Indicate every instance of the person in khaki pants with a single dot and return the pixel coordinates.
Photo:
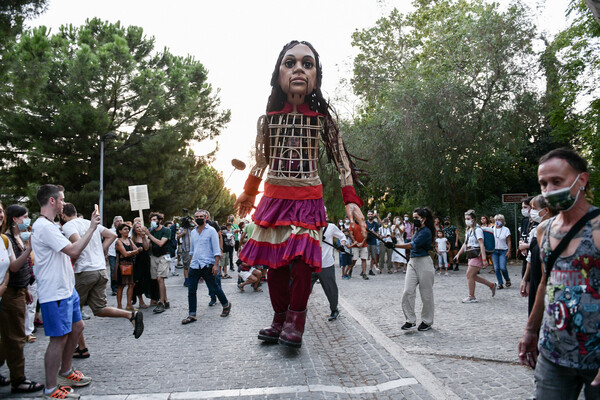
(419, 272)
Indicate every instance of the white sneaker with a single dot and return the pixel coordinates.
(62, 392)
(446, 273)
(74, 379)
(469, 299)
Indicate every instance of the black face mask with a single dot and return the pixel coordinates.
(446, 223)
(199, 221)
(417, 223)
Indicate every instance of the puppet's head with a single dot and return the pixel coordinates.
(282, 83)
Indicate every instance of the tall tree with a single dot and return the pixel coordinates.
(448, 101)
(69, 90)
(575, 114)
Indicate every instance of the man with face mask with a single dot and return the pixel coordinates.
(524, 231)
(160, 260)
(373, 224)
(567, 303)
(206, 254)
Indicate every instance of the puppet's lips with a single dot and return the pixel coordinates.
(298, 80)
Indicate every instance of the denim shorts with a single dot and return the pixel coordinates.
(59, 316)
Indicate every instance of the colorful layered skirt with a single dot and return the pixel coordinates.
(286, 229)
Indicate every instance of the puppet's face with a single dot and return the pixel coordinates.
(298, 73)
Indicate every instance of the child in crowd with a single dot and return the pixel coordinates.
(441, 247)
(346, 258)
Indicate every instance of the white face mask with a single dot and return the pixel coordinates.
(468, 222)
(525, 212)
(536, 217)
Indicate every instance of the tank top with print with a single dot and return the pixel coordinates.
(570, 334)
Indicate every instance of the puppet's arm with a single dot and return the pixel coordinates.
(245, 202)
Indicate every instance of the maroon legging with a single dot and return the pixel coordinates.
(294, 294)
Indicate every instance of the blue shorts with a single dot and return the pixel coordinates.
(59, 316)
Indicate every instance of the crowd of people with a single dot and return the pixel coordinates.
(289, 243)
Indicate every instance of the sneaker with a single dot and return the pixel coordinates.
(167, 305)
(439, 273)
(494, 287)
(371, 272)
(84, 316)
(446, 273)
(74, 379)
(212, 302)
(456, 268)
(160, 307)
(365, 277)
(469, 299)
(61, 392)
(423, 327)
(407, 326)
(499, 287)
(334, 315)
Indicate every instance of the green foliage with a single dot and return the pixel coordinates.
(449, 103)
(13, 14)
(70, 89)
(575, 110)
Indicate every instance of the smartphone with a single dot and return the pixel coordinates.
(96, 208)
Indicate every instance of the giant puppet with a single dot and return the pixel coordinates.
(291, 215)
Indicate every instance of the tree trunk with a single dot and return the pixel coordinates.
(594, 5)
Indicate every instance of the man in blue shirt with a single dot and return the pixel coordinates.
(206, 254)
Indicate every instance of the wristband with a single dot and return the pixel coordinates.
(251, 185)
(349, 195)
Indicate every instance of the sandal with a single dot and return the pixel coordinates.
(226, 310)
(226, 276)
(30, 338)
(143, 306)
(239, 285)
(188, 320)
(138, 318)
(4, 381)
(81, 353)
(507, 283)
(258, 289)
(30, 387)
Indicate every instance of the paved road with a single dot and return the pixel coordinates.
(469, 354)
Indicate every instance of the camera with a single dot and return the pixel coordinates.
(187, 221)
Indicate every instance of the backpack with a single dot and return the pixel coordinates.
(489, 241)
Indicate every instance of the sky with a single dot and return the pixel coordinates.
(238, 42)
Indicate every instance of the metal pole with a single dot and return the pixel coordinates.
(101, 200)
(516, 233)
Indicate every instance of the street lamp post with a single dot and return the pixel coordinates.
(109, 135)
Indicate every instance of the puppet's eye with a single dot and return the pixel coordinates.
(308, 64)
(289, 63)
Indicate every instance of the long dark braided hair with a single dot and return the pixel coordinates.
(316, 102)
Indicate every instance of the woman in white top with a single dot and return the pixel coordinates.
(500, 254)
(475, 250)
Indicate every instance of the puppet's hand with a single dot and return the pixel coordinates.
(244, 204)
(355, 215)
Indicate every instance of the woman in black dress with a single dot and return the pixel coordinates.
(141, 265)
(126, 252)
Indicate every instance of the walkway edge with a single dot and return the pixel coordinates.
(428, 380)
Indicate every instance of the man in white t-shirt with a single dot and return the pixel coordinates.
(327, 275)
(90, 273)
(59, 301)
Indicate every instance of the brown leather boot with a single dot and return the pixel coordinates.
(271, 333)
(293, 328)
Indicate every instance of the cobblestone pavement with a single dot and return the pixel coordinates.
(469, 354)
